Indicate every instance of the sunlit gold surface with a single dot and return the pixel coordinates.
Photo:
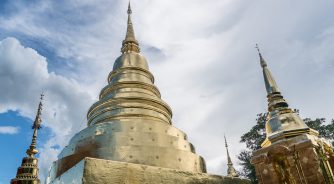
(129, 94)
(131, 123)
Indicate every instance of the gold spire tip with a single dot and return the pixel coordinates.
(257, 48)
(262, 61)
(129, 8)
(38, 120)
(42, 96)
(130, 43)
(225, 141)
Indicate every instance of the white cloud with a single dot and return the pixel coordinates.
(201, 53)
(9, 130)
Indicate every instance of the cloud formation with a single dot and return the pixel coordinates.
(201, 53)
(9, 130)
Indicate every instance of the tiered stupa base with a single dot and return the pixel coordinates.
(100, 171)
(27, 173)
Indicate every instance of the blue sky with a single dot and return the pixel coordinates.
(20, 140)
(201, 53)
(16, 142)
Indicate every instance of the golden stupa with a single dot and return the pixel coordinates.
(292, 153)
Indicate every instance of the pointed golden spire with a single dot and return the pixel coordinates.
(269, 80)
(262, 61)
(230, 169)
(275, 99)
(36, 126)
(28, 171)
(281, 121)
(130, 43)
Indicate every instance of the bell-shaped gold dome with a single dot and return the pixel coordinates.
(130, 94)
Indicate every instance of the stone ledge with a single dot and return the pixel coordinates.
(100, 171)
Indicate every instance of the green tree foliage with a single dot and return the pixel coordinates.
(325, 130)
(256, 135)
(253, 140)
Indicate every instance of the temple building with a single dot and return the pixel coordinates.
(292, 153)
(129, 136)
(27, 173)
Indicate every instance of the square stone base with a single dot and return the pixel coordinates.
(298, 159)
(99, 171)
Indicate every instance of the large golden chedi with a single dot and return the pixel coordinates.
(130, 122)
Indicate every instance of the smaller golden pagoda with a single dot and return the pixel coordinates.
(292, 153)
(231, 171)
(27, 173)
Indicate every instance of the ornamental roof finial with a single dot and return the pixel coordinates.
(130, 43)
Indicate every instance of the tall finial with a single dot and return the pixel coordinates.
(130, 43)
(229, 161)
(36, 126)
(269, 80)
(129, 9)
(230, 169)
(28, 171)
(262, 61)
